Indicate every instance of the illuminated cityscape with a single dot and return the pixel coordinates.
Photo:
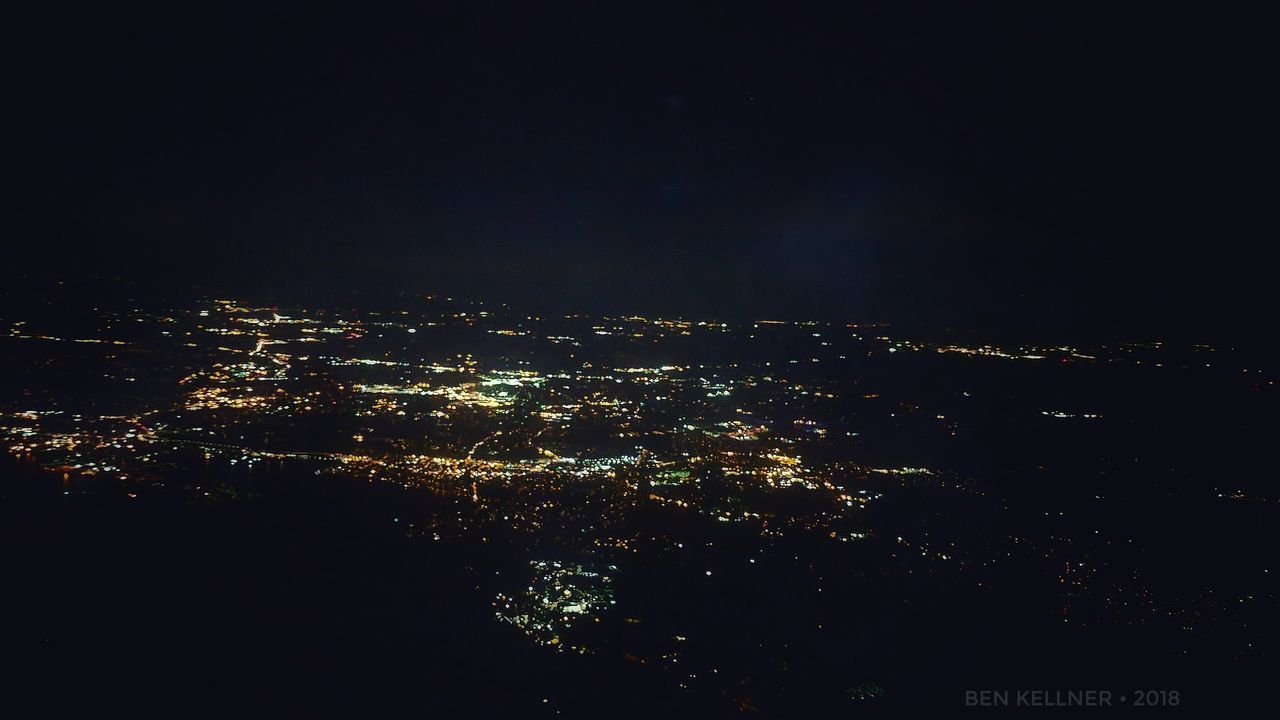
(633, 474)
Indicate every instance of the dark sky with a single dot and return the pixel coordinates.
(1027, 167)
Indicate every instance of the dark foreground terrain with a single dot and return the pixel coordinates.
(304, 599)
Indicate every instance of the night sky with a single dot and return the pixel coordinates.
(1010, 168)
